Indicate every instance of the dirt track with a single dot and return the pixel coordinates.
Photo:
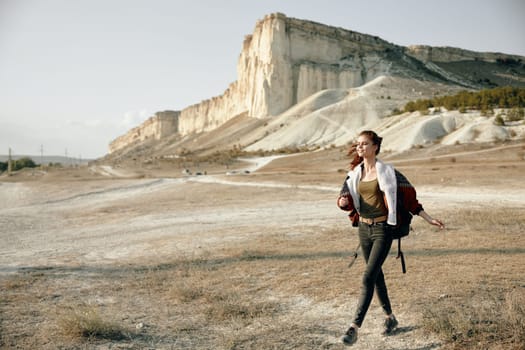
(145, 219)
(124, 220)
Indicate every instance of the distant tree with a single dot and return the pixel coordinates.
(484, 100)
(396, 111)
(24, 162)
(424, 111)
(487, 112)
(499, 120)
(410, 107)
(3, 166)
(515, 114)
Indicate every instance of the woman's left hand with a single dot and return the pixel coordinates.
(431, 220)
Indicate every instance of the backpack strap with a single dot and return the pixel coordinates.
(355, 255)
(400, 255)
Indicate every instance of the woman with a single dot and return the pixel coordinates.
(370, 190)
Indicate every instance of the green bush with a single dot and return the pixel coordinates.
(515, 114)
(487, 112)
(396, 111)
(3, 166)
(24, 162)
(499, 120)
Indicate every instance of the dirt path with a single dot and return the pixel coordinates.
(122, 220)
(114, 222)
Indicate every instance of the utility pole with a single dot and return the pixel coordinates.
(9, 165)
(41, 155)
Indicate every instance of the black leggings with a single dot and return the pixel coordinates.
(375, 244)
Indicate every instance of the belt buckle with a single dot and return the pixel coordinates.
(372, 221)
(368, 221)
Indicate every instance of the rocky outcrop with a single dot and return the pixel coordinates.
(452, 54)
(286, 60)
(160, 125)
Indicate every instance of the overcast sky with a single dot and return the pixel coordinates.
(75, 74)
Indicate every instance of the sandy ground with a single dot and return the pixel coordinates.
(100, 217)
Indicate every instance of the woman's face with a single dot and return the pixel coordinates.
(365, 147)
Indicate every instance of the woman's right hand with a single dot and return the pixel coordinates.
(342, 202)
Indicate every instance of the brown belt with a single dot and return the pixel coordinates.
(373, 220)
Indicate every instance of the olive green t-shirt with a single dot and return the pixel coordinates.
(371, 200)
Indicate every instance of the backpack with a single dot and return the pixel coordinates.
(404, 217)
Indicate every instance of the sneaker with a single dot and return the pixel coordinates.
(350, 336)
(390, 324)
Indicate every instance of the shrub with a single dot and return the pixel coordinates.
(88, 323)
(515, 114)
(396, 111)
(499, 120)
(24, 162)
(487, 112)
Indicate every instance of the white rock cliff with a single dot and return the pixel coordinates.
(156, 127)
(284, 61)
(287, 60)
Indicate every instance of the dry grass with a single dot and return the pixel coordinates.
(290, 290)
(485, 308)
(258, 294)
(87, 322)
(485, 321)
